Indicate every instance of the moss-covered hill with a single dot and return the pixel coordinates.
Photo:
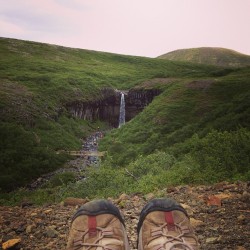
(209, 55)
(36, 80)
(196, 131)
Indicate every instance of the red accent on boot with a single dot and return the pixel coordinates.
(92, 226)
(170, 221)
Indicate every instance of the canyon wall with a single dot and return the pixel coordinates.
(108, 106)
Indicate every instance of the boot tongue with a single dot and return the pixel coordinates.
(111, 243)
(103, 238)
(164, 242)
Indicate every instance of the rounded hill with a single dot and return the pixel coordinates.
(208, 55)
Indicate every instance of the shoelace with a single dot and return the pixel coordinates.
(79, 244)
(170, 238)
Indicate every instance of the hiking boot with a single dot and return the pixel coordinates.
(98, 225)
(165, 225)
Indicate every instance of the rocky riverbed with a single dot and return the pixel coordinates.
(220, 214)
(76, 166)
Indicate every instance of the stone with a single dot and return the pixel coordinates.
(196, 223)
(240, 248)
(171, 189)
(188, 209)
(241, 218)
(211, 240)
(213, 200)
(245, 196)
(51, 232)
(11, 243)
(70, 201)
(122, 197)
(223, 196)
(48, 211)
(149, 196)
(29, 229)
(216, 227)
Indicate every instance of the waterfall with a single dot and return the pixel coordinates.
(122, 111)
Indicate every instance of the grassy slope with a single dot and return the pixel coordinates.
(184, 108)
(206, 55)
(37, 79)
(197, 130)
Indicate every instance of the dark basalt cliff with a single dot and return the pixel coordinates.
(137, 99)
(107, 108)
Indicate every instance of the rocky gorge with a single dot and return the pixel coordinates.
(107, 108)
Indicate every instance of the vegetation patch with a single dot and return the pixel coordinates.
(195, 131)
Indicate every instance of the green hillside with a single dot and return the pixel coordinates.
(207, 55)
(196, 131)
(37, 80)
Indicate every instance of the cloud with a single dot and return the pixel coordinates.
(35, 16)
(136, 27)
(10, 28)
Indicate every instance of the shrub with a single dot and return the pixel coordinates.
(22, 158)
(61, 179)
(224, 154)
(152, 164)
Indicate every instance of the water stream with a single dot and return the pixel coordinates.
(122, 111)
(77, 165)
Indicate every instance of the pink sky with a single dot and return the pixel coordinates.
(134, 27)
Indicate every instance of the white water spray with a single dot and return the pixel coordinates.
(122, 111)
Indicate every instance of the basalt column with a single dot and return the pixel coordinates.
(137, 100)
(107, 108)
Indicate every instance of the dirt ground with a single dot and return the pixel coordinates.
(219, 213)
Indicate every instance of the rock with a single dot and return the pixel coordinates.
(11, 244)
(196, 223)
(26, 203)
(29, 229)
(51, 232)
(223, 196)
(211, 240)
(221, 185)
(48, 211)
(171, 189)
(230, 187)
(226, 227)
(214, 228)
(240, 248)
(213, 200)
(188, 209)
(149, 196)
(49, 246)
(245, 196)
(20, 229)
(241, 218)
(122, 197)
(74, 201)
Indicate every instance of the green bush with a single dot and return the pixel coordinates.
(152, 164)
(224, 154)
(22, 158)
(61, 179)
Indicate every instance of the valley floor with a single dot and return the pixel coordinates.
(220, 214)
